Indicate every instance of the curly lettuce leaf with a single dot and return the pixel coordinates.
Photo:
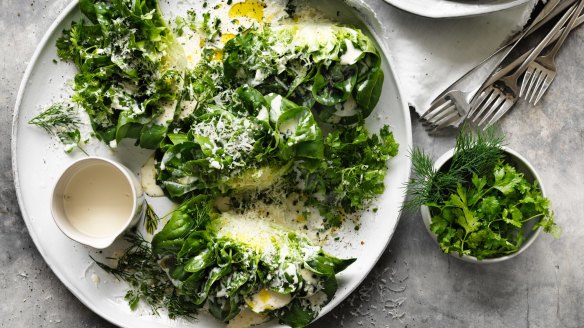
(334, 69)
(353, 173)
(129, 69)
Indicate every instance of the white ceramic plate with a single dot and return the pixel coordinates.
(454, 8)
(38, 160)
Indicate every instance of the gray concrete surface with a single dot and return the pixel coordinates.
(413, 285)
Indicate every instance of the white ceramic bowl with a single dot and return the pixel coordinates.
(523, 166)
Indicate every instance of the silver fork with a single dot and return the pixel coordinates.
(501, 91)
(449, 109)
(542, 71)
(451, 106)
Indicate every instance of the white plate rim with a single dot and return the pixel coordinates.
(451, 9)
(68, 10)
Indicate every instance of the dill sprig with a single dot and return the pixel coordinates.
(139, 267)
(56, 118)
(62, 121)
(476, 153)
(151, 220)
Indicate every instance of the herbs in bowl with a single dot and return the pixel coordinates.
(480, 200)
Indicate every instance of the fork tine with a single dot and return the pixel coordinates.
(434, 128)
(445, 111)
(530, 86)
(479, 105)
(433, 106)
(436, 108)
(527, 79)
(537, 88)
(448, 118)
(500, 98)
(543, 89)
(436, 112)
(476, 103)
(484, 104)
(504, 108)
(534, 85)
(449, 121)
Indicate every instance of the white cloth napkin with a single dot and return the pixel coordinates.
(430, 54)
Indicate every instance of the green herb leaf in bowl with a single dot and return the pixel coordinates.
(481, 202)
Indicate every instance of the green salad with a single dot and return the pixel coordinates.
(271, 111)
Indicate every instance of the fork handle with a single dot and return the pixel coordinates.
(537, 50)
(529, 56)
(549, 11)
(505, 70)
(567, 30)
(552, 9)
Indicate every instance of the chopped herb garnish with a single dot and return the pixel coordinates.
(151, 220)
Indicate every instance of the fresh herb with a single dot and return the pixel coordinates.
(62, 121)
(148, 281)
(474, 153)
(480, 204)
(151, 220)
(486, 219)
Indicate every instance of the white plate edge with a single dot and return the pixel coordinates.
(462, 12)
(26, 77)
(379, 39)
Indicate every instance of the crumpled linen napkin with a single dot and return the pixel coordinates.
(429, 54)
